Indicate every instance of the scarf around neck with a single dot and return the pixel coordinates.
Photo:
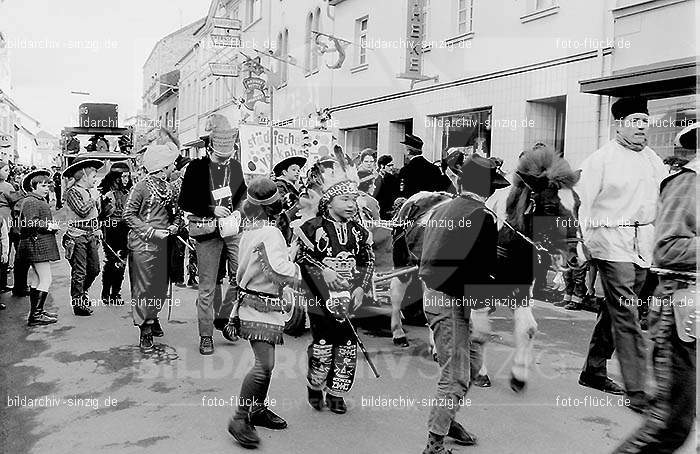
(629, 145)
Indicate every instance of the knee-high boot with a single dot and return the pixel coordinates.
(42, 300)
(36, 317)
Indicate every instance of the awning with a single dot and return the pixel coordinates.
(661, 80)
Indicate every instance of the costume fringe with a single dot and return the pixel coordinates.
(260, 331)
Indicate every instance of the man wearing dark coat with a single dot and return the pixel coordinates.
(458, 259)
(418, 174)
(212, 189)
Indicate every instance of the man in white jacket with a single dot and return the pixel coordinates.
(619, 188)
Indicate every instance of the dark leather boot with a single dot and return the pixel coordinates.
(264, 417)
(336, 404)
(36, 318)
(42, 301)
(156, 329)
(244, 432)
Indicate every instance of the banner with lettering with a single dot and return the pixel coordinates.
(255, 146)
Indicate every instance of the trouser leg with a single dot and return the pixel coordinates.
(92, 265)
(208, 258)
(148, 273)
(78, 264)
(320, 352)
(669, 419)
(230, 255)
(341, 375)
(453, 352)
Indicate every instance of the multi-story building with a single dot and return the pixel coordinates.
(18, 132)
(167, 101)
(658, 61)
(162, 59)
(201, 93)
(48, 150)
(493, 76)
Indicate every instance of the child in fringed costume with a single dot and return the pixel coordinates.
(335, 253)
(264, 268)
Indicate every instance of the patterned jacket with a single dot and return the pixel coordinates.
(344, 246)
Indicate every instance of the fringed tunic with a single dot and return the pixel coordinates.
(264, 268)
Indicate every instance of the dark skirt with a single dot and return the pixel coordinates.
(42, 248)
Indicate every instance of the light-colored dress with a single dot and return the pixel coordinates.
(264, 267)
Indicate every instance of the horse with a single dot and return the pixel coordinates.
(538, 219)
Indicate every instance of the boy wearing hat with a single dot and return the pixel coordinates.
(212, 189)
(670, 417)
(418, 174)
(82, 239)
(114, 187)
(264, 268)
(619, 189)
(457, 262)
(151, 217)
(287, 173)
(343, 247)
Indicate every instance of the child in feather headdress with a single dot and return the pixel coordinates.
(337, 262)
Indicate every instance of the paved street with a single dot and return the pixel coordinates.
(110, 398)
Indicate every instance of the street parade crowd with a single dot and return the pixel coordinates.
(255, 247)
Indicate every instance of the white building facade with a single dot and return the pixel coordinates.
(494, 76)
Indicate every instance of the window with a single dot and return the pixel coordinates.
(464, 16)
(234, 12)
(466, 129)
(361, 26)
(313, 22)
(254, 10)
(283, 54)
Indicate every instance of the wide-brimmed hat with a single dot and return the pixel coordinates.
(481, 175)
(80, 164)
(628, 106)
(688, 137)
(414, 142)
(287, 162)
(35, 173)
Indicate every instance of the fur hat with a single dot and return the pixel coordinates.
(222, 137)
(628, 106)
(158, 157)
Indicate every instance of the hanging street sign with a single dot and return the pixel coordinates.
(226, 39)
(225, 22)
(224, 69)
